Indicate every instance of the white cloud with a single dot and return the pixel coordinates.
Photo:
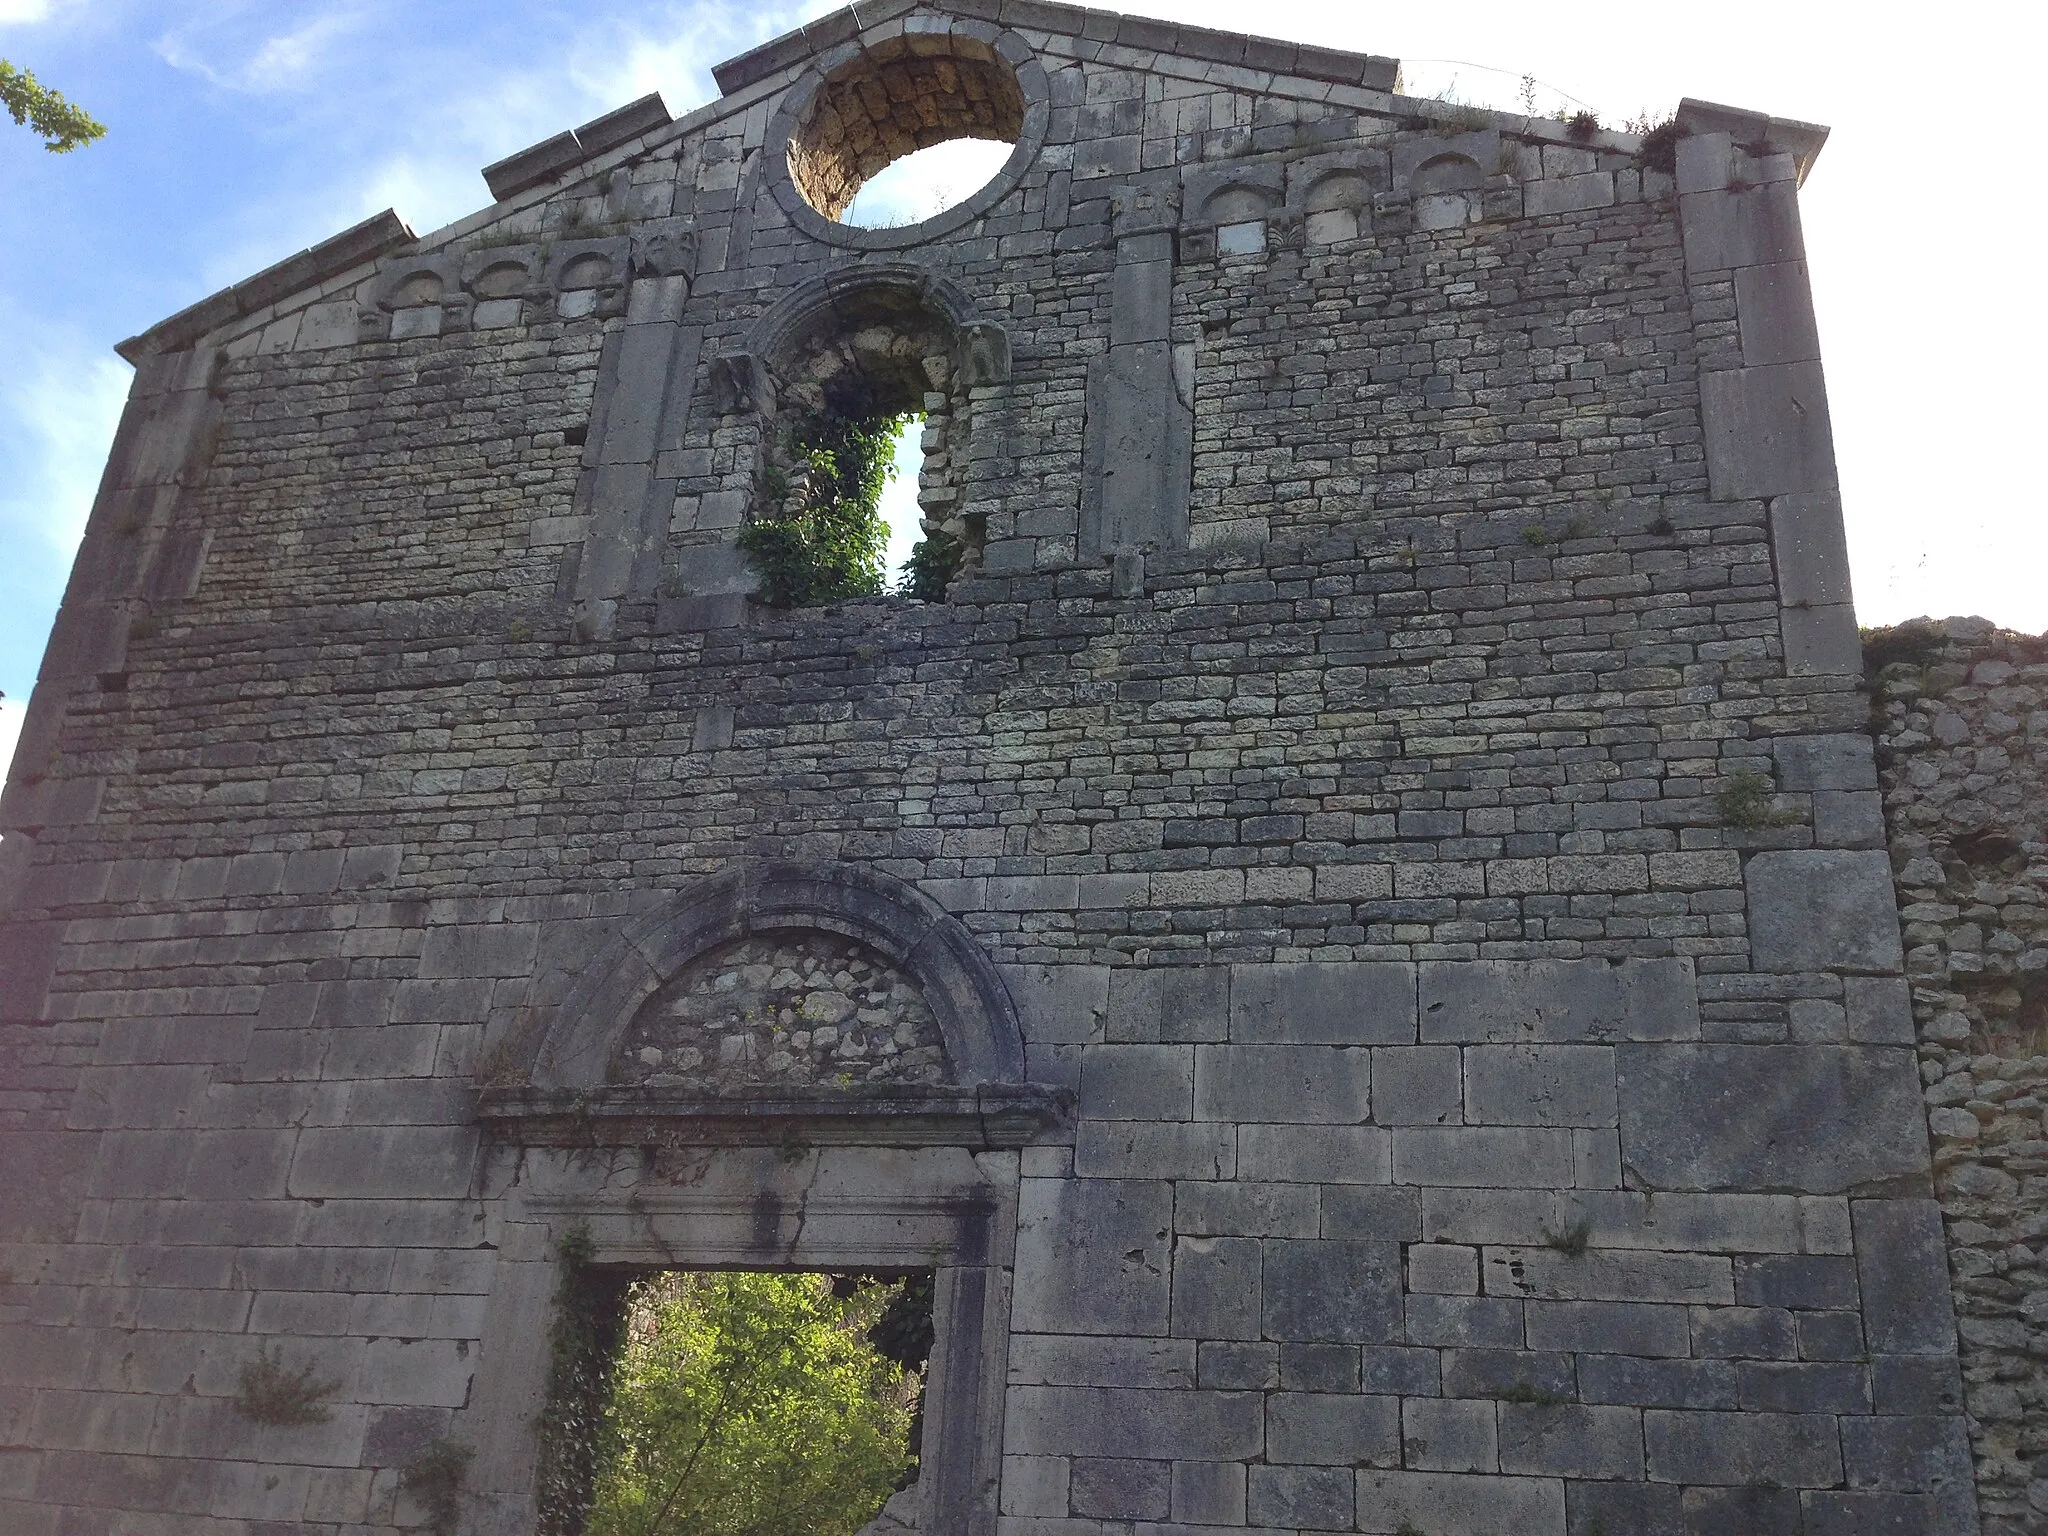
(58, 411)
(21, 12)
(926, 182)
(12, 713)
(223, 51)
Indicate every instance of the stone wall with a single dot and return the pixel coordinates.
(1381, 828)
(1961, 714)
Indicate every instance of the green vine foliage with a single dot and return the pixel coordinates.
(58, 123)
(582, 1344)
(933, 563)
(819, 536)
(754, 1405)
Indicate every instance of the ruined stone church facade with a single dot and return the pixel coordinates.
(1354, 939)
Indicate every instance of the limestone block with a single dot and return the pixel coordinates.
(1698, 1279)
(1916, 1384)
(1703, 161)
(1034, 1485)
(1790, 1450)
(1767, 431)
(1447, 1501)
(417, 321)
(1340, 1290)
(28, 959)
(1465, 1322)
(1249, 1209)
(1880, 1010)
(1351, 1210)
(1119, 1488)
(1417, 1085)
(479, 949)
(1138, 450)
(1859, 1513)
(1701, 1384)
(1848, 819)
(1310, 1154)
(1569, 194)
(1449, 1435)
(1759, 227)
(1822, 641)
(1127, 1422)
(1539, 1085)
(1299, 1498)
(1902, 1272)
(1819, 909)
(1138, 1082)
(1645, 1509)
(1443, 1269)
(1134, 1149)
(1141, 295)
(1571, 1440)
(1216, 1287)
(1057, 1360)
(1608, 1327)
(1363, 1004)
(496, 314)
(1209, 1492)
(1755, 1224)
(1817, 1118)
(1483, 1157)
(1812, 552)
(1182, 1002)
(1093, 1256)
(1306, 1084)
(1774, 309)
(47, 1178)
(326, 326)
(392, 1162)
(1059, 1004)
(1503, 1001)
(1833, 762)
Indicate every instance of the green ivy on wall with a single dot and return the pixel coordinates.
(817, 535)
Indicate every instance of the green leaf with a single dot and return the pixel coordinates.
(45, 112)
(752, 1405)
(819, 537)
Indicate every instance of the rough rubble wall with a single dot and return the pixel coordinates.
(1961, 714)
(1474, 1106)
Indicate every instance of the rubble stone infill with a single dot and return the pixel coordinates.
(1960, 710)
(791, 1009)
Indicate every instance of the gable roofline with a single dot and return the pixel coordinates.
(376, 236)
(532, 173)
(1306, 60)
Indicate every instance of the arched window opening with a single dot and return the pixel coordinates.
(870, 389)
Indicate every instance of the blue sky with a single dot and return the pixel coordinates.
(241, 132)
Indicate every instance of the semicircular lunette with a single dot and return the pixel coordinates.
(789, 1008)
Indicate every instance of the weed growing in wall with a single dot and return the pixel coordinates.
(1659, 149)
(1745, 802)
(434, 1480)
(932, 565)
(270, 1392)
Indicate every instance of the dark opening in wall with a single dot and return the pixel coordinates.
(771, 1403)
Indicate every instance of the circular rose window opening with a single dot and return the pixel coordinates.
(902, 133)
